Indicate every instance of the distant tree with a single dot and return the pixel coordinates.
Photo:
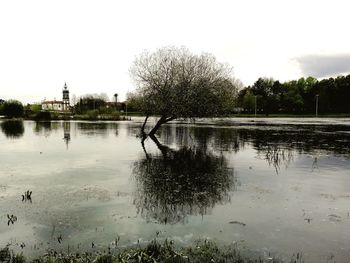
(134, 102)
(292, 100)
(91, 102)
(1, 106)
(12, 108)
(248, 102)
(306, 89)
(326, 90)
(266, 90)
(35, 107)
(340, 101)
(173, 82)
(103, 96)
(74, 100)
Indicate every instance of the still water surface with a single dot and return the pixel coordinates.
(280, 186)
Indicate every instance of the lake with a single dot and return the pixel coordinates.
(265, 185)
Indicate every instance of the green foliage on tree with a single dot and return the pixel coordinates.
(249, 101)
(12, 109)
(292, 100)
(35, 108)
(172, 82)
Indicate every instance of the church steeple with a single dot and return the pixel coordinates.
(65, 97)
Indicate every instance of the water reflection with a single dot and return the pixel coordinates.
(277, 145)
(178, 183)
(315, 164)
(13, 129)
(83, 196)
(301, 140)
(66, 132)
(46, 127)
(97, 128)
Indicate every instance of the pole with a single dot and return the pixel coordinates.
(126, 110)
(255, 106)
(116, 101)
(316, 105)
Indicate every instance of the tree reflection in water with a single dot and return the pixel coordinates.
(179, 183)
(13, 129)
(277, 145)
(46, 127)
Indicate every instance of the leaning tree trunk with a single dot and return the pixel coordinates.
(157, 126)
(161, 121)
(144, 135)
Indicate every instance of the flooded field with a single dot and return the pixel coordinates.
(268, 185)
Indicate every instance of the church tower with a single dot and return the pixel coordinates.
(65, 98)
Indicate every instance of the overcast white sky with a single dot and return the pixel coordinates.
(91, 44)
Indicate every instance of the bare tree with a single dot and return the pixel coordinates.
(74, 99)
(103, 96)
(172, 82)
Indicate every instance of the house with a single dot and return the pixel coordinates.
(52, 105)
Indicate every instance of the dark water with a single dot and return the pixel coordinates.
(280, 186)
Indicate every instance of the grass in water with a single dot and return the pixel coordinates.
(201, 252)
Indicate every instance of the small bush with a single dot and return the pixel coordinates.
(92, 114)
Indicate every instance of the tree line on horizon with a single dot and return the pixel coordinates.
(296, 96)
(271, 97)
(91, 104)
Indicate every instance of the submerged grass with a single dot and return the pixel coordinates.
(203, 251)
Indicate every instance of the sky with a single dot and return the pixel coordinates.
(92, 44)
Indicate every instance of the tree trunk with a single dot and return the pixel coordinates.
(144, 135)
(161, 121)
(157, 126)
